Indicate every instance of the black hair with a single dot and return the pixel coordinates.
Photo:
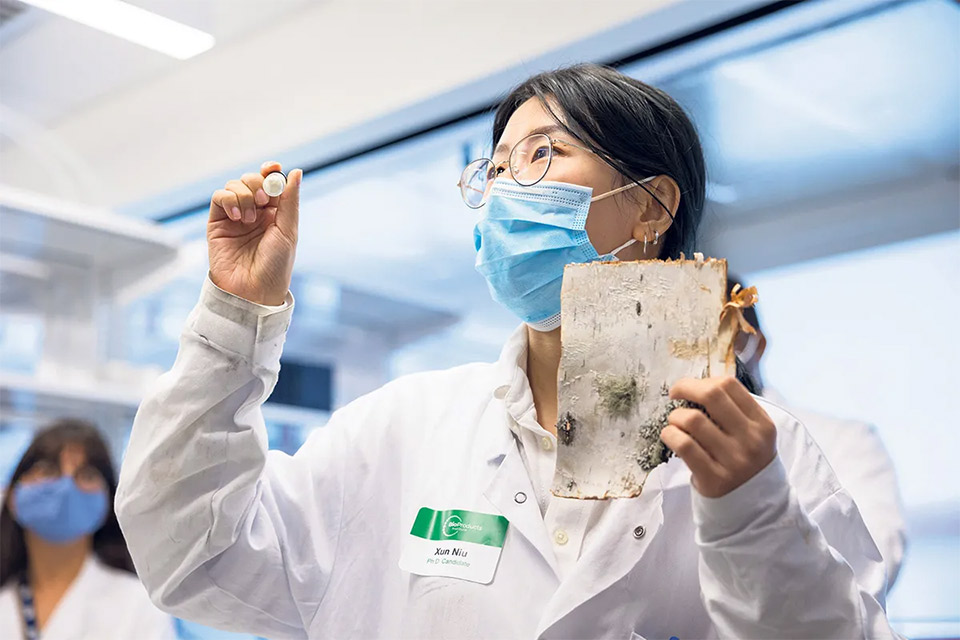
(637, 129)
(108, 541)
(750, 315)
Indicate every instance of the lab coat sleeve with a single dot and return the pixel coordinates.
(786, 554)
(877, 495)
(222, 531)
(864, 468)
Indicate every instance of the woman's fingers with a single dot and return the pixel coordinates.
(254, 182)
(228, 203)
(713, 394)
(269, 167)
(748, 405)
(689, 450)
(288, 206)
(245, 196)
(245, 201)
(720, 446)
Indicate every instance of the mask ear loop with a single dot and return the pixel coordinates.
(623, 246)
(632, 240)
(623, 188)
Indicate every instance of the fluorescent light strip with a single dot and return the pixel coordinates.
(132, 23)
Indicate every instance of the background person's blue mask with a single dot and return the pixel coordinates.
(526, 238)
(58, 511)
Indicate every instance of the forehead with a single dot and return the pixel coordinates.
(529, 116)
(74, 452)
(69, 453)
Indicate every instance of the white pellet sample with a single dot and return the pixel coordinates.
(274, 184)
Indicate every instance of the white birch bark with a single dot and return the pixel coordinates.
(629, 331)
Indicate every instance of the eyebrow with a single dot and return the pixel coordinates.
(548, 129)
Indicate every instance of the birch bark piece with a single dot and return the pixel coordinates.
(629, 330)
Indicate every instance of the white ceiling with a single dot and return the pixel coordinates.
(54, 67)
(118, 123)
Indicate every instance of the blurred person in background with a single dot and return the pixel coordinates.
(65, 571)
(854, 450)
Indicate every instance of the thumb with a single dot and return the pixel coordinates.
(288, 209)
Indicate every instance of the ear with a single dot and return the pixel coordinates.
(654, 218)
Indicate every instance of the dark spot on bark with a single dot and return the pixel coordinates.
(567, 429)
(639, 307)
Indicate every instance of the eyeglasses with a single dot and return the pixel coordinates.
(528, 162)
(87, 477)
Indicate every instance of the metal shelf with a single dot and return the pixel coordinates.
(41, 228)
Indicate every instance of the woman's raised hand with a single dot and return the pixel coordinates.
(252, 238)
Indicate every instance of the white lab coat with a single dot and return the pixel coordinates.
(864, 468)
(103, 603)
(227, 533)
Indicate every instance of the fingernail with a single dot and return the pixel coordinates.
(249, 216)
(236, 214)
(261, 197)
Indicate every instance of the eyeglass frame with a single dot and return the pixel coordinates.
(460, 184)
(550, 141)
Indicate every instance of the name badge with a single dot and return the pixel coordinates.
(455, 543)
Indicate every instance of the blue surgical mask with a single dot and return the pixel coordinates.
(58, 511)
(527, 237)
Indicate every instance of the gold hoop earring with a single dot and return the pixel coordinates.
(656, 238)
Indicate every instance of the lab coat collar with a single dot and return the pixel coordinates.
(510, 476)
(512, 363)
(510, 373)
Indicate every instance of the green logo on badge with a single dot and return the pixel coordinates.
(462, 525)
(451, 525)
(455, 524)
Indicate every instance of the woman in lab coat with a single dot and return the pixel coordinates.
(65, 572)
(423, 509)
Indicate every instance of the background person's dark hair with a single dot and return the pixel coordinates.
(108, 542)
(750, 315)
(638, 129)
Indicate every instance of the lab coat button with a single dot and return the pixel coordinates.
(560, 537)
(546, 443)
(520, 498)
(638, 532)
